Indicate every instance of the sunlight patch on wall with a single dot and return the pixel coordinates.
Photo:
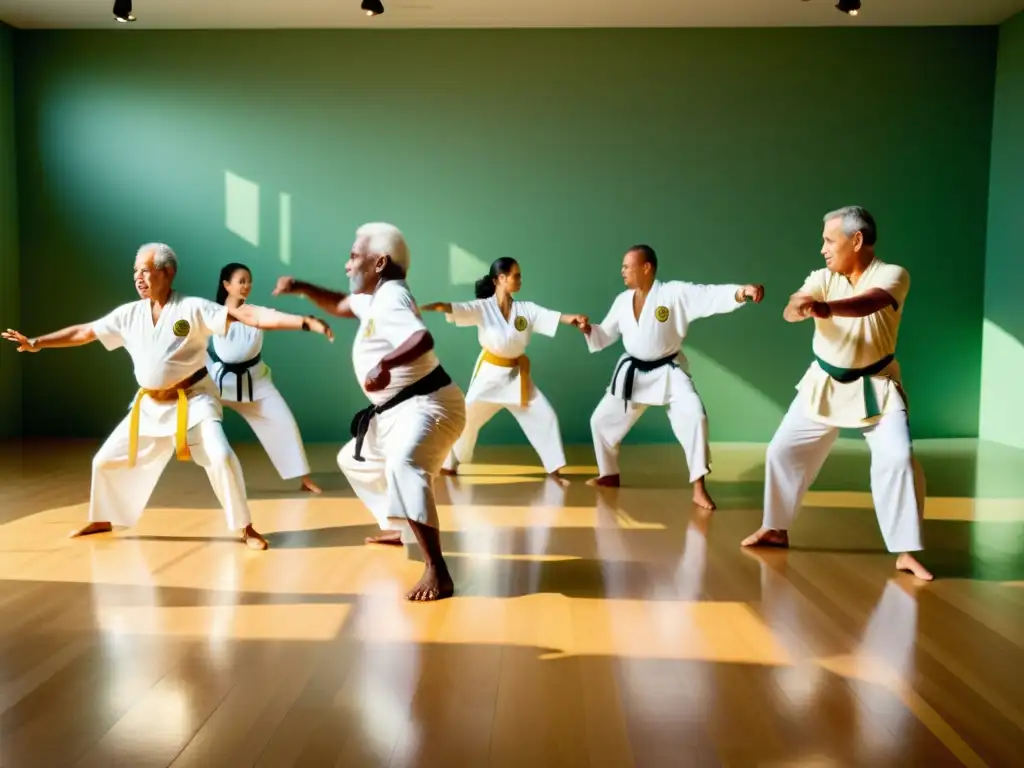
(242, 207)
(285, 213)
(730, 387)
(1002, 368)
(465, 268)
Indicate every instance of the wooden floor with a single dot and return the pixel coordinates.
(590, 628)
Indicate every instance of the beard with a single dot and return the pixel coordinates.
(356, 283)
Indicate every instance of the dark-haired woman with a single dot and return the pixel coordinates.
(243, 379)
(502, 375)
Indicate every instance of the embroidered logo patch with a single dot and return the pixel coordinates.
(368, 331)
(181, 328)
(661, 314)
(520, 323)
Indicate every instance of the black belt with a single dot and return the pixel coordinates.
(238, 369)
(430, 383)
(632, 366)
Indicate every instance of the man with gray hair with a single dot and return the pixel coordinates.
(177, 408)
(416, 414)
(857, 303)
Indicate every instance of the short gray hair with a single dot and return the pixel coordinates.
(163, 255)
(855, 219)
(386, 240)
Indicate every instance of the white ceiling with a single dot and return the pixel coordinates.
(269, 14)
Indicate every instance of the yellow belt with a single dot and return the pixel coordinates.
(522, 362)
(179, 392)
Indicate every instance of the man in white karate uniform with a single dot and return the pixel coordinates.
(857, 302)
(400, 441)
(177, 408)
(652, 319)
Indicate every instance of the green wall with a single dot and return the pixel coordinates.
(1002, 414)
(722, 148)
(10, 364)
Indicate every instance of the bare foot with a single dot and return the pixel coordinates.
(253, 539)
(91, 528)
(433, 585)
(606, 481)
(907, 562)
(559, 478)
(766, 537)
(309, 485)
(701, 497)
(385, 537)
(449, 472)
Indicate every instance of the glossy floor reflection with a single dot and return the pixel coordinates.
(611, 628)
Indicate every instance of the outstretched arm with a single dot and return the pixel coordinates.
(605, 333)
(271, 320)
(701, 301)
(578, 320)
(72, 336)
(332, 302)
(437, 306)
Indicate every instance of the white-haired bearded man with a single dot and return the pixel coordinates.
(177, 408)
(401, 440)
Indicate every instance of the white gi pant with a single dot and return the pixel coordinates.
(537, 420)
(120, 493)
(402, 453)
(274, 425)
(610, 423)
(799, 449)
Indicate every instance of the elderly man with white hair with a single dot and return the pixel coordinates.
(857, 303)
(177, 408)
(416, 414)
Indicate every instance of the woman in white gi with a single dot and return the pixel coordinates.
(243, 380)
(502, 378)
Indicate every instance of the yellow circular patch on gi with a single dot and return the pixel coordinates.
(181, 328)
(661, 314)
(520, 323)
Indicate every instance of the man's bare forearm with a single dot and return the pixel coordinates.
(328, 300)
(866, 304)
(415, 346)
(72, 336)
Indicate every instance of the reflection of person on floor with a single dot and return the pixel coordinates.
(857, 302)
(653, 318)
(502, 377)
(237, 367)
(400, 441)
(176, 409)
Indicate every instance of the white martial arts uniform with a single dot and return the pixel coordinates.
(658, 335)
(246, 387)
(165, 354)
(405, 445)
(499, 381)
(874, 403)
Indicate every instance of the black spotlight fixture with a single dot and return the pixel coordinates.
(373, 7)
(123, 11)
(850, 7)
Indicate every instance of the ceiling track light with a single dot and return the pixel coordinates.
(123, 11)
(851, 7)
(372, 7)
